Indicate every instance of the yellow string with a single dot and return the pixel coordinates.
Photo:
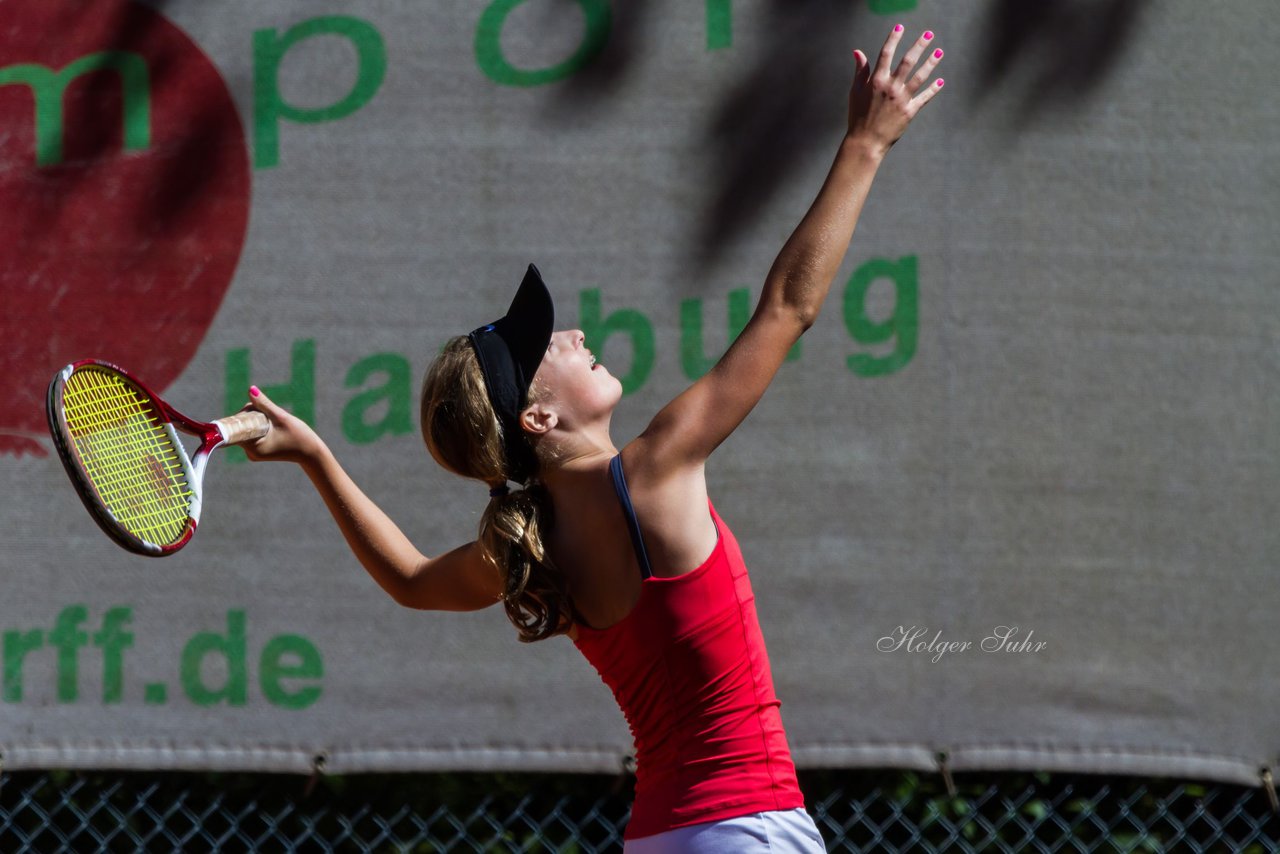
(128, 455)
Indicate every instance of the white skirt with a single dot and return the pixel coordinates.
(776, 832)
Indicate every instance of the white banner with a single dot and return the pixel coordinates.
(1013, 500)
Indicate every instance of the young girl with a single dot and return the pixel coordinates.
(623, 551)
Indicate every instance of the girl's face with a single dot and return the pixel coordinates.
(571, 382)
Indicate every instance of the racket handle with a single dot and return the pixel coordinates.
(243, 427)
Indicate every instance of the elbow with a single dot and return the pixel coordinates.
(401, 594)
(800, 316)
(417, 601)
(402, 598)
(795, 296)
(805, 316)
(402, 587)
(795, 307)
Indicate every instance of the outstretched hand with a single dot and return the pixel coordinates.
(885, 99)
(290, 438)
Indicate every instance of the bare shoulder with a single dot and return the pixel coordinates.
(671, 507)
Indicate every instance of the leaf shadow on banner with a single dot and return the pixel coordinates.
(186, 167)
(786, 105)
(126, 182)
(607, 70)
(1059, 52)
(190, 169)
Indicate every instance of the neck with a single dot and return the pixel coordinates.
(575, 457)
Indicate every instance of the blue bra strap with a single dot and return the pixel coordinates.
(624, 496)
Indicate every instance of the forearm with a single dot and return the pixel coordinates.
(380, 546)
(801, 276)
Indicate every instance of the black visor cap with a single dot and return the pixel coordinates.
(509, 350)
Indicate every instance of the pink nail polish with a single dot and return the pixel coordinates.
(253, 390)
(937, 54)
(939, 83)
(928, 34)
(898, 28)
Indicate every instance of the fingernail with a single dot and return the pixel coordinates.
(898, 28)
(253, 390)
(928, 34)
(939, 83)
(937, 54)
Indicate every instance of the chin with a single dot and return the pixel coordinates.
(617, 389)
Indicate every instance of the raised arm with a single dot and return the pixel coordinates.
(882, 102)
(459, 580)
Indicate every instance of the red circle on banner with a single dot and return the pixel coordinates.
(124, 197)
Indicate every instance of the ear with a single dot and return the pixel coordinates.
(538, 419)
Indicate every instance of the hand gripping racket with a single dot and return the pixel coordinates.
(119, 443)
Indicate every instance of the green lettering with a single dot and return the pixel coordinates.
(272, 668)
(113, 640)
(493, 62)
(693, 359)
(16, 646)
(231, 646)
(891, 7)
(396, 393)
(68, 639)
(900, 326)
(719, 24)
(48, 88)
(269, 106)
(627, 321)
(298, 394)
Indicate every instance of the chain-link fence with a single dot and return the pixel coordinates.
(855, 810)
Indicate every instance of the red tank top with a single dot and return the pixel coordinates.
(689, 668)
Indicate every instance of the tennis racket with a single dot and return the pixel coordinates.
(119, 443)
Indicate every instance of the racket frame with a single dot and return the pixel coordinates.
(210, 434)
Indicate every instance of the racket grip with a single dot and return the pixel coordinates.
(243, 427)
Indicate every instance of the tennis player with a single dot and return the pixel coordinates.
(623, 551)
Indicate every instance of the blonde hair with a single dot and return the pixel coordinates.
(463, 434)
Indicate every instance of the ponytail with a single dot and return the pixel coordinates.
(463, 435)
(535, 593)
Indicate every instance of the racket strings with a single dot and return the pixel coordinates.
(128, 456)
